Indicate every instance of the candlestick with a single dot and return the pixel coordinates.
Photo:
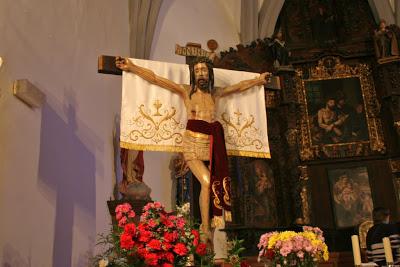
(356, 250)
(388, 250)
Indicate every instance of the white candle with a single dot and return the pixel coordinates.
(356, 250)
(388, 250)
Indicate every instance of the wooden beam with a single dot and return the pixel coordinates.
(106, 65)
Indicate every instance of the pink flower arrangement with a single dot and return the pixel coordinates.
(304, 249)
(159, 239)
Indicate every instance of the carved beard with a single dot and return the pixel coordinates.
(203, 84)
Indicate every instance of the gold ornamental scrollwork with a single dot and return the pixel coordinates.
(305, 194)
(156, 124)
(225, 184)
(241, 132)
(394, 165)
(331, 68)
(303, 173)
(214, 188)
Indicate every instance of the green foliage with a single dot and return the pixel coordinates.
(112, 251)
(206, 260)
(234, 250)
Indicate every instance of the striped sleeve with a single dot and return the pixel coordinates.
(377, 254)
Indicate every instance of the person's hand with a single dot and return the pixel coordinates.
(123, 63)
(265, 77)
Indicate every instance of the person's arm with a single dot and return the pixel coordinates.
(244, 85)
(341, 120)
(127, 65)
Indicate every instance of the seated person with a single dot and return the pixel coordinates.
(382, 228)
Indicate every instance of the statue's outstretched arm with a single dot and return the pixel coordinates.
(246, 84)
(127, 65)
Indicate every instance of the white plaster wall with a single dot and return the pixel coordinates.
(56, 162)
(182, 21)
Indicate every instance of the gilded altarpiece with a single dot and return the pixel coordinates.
(332, 60)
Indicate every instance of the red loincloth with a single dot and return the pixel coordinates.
(219, 170)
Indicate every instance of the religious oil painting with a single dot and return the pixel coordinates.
(261, 188)
(336, 111)
(339, 111)
(351, 196)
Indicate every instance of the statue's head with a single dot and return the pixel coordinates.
(382, 24)
(201, 75)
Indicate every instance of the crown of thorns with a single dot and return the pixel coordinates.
(202, 60)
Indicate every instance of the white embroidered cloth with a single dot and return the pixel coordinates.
(153, 118)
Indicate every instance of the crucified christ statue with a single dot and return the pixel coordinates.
(202, 131)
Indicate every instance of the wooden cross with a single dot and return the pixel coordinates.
(106, 65)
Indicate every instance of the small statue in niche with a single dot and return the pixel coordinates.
(280, 53)
(386, 45)
(324, 24)
(132, 185)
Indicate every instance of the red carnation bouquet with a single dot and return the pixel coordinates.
(159, 239)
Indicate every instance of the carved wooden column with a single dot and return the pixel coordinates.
(389, 85)
(305, 196)
(394, 165)
(289, 109)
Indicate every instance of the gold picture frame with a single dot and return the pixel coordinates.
(327, 129)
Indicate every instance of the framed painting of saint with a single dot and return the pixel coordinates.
(351, 196)
(339, 111)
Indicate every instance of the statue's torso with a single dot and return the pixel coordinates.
(200, 106)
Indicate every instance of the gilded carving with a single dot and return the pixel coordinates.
(394, 165)
(305, 207)
(271, 99)
(305, 195)
(303, 173)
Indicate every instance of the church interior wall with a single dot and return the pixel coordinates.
(56, 169)
(56, 162)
